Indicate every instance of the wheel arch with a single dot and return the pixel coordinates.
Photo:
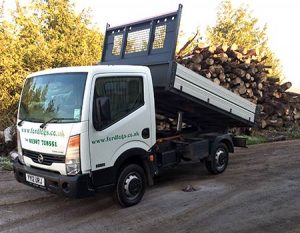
(137, 156)
(226, 139)
(229, 145)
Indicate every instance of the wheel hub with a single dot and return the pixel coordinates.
(133, 185)
(220, 158)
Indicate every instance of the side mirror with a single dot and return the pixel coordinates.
(103, 113)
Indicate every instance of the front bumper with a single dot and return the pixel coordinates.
(70, 186)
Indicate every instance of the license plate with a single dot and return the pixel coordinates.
(35, 179)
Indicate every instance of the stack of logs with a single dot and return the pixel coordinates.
(242, 72)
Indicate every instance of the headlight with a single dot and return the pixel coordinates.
(19, 146)
(73, 156)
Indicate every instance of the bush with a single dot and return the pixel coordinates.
(5, 164)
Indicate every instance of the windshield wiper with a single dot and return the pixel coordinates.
(27, 119)
(55, 119)
(21, 122)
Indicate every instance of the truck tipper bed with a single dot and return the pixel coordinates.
(152, 42)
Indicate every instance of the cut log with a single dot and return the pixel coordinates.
(263, 79)
(254, 85)
(248, 76)
(242, 89)
(260, 86)
(243, 66)
(225, 85)
(236, 91)
(260, 75)
(216, 81)
(196, 67)
(219, 69)
(222, 77)
(252, 70)
(197, 58)
(205, 53)
(208, 75)
(223, 57)
(273, 79)
(277, 94)
(209, 61)
(285, 86)
(212, 69)
(236, 81)
(250, 92)
(239, 72)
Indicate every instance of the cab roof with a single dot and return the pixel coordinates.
(95, 69)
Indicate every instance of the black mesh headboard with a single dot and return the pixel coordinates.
(145, 42)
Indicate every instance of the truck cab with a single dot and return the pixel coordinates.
(74, 121)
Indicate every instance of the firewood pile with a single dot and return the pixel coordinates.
(242, 72)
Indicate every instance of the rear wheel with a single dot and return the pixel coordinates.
(219, 160)
(131, 185)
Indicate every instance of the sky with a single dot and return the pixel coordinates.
(281, 17)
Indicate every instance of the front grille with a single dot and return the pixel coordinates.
(48, 159)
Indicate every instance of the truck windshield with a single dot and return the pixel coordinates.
(51, 96)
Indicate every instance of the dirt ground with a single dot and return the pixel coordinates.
(259, 192)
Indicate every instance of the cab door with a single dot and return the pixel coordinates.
(126, 96)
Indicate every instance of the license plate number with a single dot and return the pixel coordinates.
(35, 179)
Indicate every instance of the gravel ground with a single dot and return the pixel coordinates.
(259, 192)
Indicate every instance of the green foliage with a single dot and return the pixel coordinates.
(45, 34)
(5, 164)
(255, 139)
(237, 26)
(294, 133)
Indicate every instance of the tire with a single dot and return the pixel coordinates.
(130, 186)
(218, 160)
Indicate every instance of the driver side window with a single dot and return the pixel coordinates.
(125, 94)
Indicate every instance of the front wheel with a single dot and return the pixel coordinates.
(131, 185)
(219, 160)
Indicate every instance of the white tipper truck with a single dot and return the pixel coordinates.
(85, 129)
